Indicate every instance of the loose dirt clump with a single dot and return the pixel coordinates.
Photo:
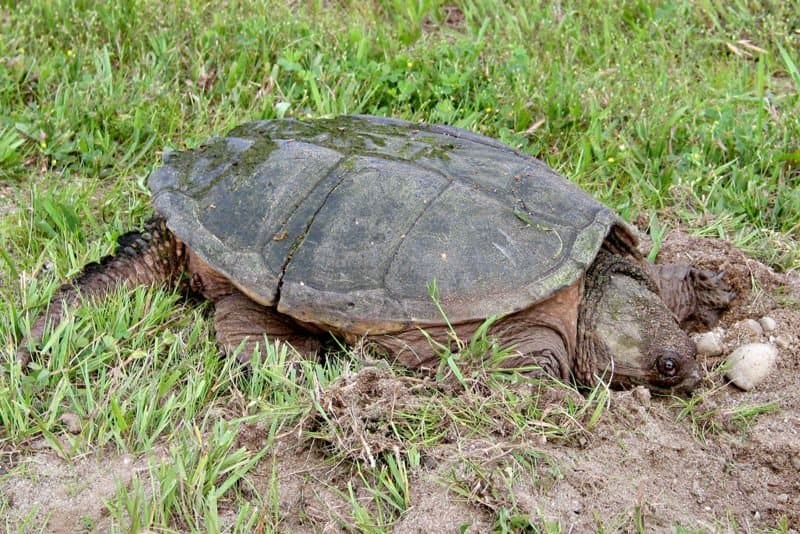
(356, 416)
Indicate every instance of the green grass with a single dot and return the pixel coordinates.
(685, 112)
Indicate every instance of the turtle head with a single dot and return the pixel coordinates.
(631, 337)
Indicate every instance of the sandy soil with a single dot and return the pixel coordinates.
(642, 465)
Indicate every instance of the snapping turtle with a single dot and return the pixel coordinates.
(296, 229)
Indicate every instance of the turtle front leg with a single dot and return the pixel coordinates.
(696, 297)
(538, 351)
(545, 335)
(542, 339)
(238, 319)
(148, 257)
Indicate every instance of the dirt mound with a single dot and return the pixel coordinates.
(356, 417)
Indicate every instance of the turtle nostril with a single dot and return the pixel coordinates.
(669, 363)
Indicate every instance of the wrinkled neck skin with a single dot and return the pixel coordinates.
(626, 333)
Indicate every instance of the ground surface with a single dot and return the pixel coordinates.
(643, 467)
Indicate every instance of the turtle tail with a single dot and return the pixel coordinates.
(151, 256)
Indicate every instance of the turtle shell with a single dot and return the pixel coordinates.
(351, 222)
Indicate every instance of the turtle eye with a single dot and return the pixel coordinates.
(667, 365)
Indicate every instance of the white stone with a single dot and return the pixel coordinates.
(750, 364)
(752, 326)
(783, 342)
(796, 461)
(709, 343)
(768, 323)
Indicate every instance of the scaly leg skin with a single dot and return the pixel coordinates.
(542, 337)
(150, 257)
(545, 335)
(538, 351)
(696, 297)
(238, 319)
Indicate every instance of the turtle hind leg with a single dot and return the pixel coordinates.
(241, 322)
(697, 297)
(148, 257)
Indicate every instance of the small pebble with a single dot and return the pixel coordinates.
(750, 364)
(768, 323)
(709, 343)
(752, 326)
(697, 491)
(72, 422)
(796, 461)
(783, 342)
(783, 498)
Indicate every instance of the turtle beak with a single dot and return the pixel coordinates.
(693, 376)
(689, 383)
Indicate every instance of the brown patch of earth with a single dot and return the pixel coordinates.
(66, 496)
(313, 495)
(647, 465)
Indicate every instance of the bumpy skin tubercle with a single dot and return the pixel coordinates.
(148, 257)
